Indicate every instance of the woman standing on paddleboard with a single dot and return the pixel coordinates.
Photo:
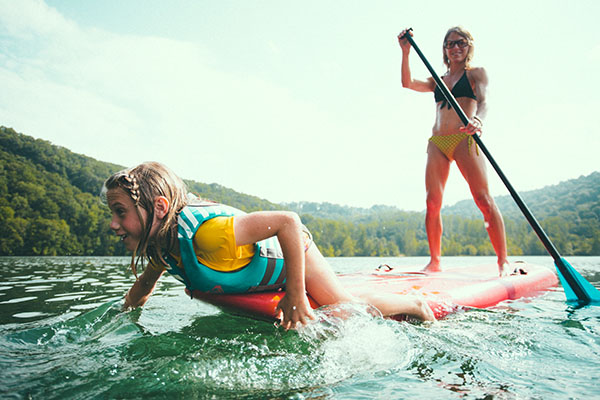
(452, 141)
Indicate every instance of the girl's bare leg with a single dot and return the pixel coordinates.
(325, 288)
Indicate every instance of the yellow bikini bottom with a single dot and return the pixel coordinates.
(447, 143)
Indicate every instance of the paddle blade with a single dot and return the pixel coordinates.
(576, 287)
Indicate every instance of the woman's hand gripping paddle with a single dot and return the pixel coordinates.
(576, 287)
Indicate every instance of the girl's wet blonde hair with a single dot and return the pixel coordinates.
(459, 30)
(144, 183)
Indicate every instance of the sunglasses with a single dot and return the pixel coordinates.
(461, 43)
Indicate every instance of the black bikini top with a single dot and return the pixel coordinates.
(462, 88)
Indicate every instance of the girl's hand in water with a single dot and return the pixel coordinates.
(293, 310)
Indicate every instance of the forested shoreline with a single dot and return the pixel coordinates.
(50, 205)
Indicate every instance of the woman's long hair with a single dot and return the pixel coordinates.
(467, 36)
(144, 183)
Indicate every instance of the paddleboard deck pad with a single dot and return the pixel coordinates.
(477, 286)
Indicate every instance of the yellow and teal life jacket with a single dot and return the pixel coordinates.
(265, 271)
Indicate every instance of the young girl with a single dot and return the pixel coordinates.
(212, 247)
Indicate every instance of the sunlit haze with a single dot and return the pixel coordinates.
(299, 101)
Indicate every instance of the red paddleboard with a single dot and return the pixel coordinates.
(475, 286)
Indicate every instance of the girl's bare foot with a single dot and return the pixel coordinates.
(422, 310)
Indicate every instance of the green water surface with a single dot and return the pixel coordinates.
(63, 336)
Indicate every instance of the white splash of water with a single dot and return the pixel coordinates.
(353, 339)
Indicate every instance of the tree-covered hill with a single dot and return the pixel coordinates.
(49, 205)
(580, 196)
(569, 212)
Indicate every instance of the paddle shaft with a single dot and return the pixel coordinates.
(579, 291)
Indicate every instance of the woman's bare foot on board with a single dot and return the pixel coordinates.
(518, 268)
(433, 266)
(504, 269)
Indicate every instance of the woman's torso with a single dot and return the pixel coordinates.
(447, 120)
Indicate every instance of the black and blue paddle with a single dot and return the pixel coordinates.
(576, 287)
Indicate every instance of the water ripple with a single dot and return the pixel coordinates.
(63, 335)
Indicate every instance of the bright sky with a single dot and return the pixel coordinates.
(293, 101)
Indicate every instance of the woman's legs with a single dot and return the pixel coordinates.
(325, 288)
(473, 169)
(437, 170)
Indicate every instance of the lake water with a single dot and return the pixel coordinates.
(63, 336)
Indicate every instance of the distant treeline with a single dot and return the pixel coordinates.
(50, 205)
(385, 232)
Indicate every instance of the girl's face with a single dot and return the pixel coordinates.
(456, 47)
(125, 221)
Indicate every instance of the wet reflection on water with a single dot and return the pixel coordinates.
(33, 288)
